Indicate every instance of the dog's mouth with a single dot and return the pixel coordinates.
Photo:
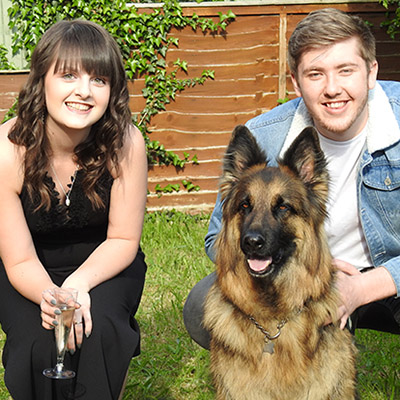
(259, 266)
(262, 266)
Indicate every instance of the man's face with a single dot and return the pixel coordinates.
(334, 82)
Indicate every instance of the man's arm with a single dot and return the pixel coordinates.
(213, 230)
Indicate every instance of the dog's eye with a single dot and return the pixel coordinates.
(244, 205)
(282, 209)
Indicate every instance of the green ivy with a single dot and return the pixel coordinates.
(144, 42)
(392, 23)
(176, 187)
(284, 100)
(189, 186)
(167, 189)
(4, 63)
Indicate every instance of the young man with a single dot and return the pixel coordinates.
(334, 70)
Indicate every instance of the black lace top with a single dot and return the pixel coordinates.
(65, 236)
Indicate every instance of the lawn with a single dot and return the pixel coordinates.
(171, 366)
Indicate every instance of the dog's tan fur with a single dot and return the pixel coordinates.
(311, 360)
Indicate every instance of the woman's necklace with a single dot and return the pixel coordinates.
(71, 185)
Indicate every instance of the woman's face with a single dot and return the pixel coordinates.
(75, 100)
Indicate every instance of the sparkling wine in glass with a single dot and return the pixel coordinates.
(66, 299)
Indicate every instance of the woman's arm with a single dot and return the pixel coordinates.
(127, 208)
(23, 268)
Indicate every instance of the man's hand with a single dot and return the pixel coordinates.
(357, 289)
(350, 289)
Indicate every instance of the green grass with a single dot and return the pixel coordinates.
(378, 365)
(171, 366)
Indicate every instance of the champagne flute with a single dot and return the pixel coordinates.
(65, 302)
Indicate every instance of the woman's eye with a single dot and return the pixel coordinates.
(100, 81)
(68, 76)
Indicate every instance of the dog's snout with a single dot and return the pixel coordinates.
(253, 241)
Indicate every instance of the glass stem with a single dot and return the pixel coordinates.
(59, 367)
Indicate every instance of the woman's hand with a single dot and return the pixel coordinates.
(48, 310)
(82, 322)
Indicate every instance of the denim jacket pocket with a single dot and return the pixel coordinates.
(382, 177)
(380, 210)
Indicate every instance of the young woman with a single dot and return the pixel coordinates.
(72, 200)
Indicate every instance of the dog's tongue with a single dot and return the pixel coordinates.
(259, 265)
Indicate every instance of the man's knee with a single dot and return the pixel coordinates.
(193, 311)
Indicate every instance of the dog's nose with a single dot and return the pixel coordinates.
(253, 241)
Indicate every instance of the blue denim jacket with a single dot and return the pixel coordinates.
(379, 170)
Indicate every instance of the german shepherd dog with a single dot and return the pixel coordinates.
(269, 308)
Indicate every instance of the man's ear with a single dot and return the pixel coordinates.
(295, 85)
(372, 74)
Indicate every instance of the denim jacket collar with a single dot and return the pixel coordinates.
(382, 129)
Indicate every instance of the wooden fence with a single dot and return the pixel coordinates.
(251, 74)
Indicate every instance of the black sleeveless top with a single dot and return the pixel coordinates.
(65, 236)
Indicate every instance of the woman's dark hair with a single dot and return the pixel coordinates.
(71, 45)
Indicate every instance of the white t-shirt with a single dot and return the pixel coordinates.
(343, 226)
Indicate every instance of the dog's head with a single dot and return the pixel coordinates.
(272, 211)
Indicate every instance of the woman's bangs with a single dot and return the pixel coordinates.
(90, 57)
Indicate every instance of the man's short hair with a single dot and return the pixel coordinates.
(326, 27)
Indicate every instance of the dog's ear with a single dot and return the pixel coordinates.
(305, 157)
(242, 153)
(306, 160)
